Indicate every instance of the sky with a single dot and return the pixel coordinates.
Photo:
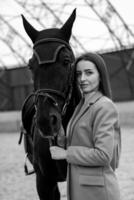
(88, 28)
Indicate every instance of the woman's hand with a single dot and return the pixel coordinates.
(58, 153)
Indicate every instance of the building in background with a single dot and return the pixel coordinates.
(15, 86)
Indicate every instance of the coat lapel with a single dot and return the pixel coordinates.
(79, 112)
(74, 117)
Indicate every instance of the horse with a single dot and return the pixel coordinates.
(47, 110)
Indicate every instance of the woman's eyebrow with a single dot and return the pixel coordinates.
(79, 71)
(88, 70)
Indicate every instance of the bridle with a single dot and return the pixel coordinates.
(50, 94)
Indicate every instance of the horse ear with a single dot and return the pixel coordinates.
(67, 27)
(30, 30)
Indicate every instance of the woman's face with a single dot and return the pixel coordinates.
(88, 77)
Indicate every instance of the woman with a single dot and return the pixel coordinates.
(91, 135)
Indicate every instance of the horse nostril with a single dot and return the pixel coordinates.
(53, 120)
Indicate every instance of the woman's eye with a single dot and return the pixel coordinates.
(89, 73)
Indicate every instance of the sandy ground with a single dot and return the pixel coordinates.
(14, 185)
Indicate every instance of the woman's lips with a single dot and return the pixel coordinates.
(83, 85)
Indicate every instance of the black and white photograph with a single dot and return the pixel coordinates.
(66, 100)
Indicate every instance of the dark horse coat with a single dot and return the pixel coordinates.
(47, 110)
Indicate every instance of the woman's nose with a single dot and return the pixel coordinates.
(82, 76)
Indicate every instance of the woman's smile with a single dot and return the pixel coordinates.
(84, 85)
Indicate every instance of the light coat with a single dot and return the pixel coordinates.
(90, 148)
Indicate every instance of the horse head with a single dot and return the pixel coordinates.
(51, 66)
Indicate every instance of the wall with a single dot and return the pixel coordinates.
(15, 85)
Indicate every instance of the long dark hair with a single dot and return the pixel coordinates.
(99, 62)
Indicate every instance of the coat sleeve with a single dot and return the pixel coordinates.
(105, 116)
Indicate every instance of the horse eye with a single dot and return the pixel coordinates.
(66, 61)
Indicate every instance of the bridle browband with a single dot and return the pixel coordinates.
(52, 40)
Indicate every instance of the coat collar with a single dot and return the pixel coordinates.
(89, 100)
